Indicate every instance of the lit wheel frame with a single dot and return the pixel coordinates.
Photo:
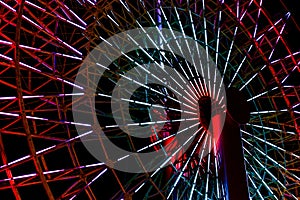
(247, 44)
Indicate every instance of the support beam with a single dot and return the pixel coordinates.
(230, 142)
(231, 148)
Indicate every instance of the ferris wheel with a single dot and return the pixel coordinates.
(148, 77)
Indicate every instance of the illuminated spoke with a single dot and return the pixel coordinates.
(242, 44)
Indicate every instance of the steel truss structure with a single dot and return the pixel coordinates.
(42, 46)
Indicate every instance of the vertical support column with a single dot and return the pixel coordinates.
(230, 142)
(231, 148)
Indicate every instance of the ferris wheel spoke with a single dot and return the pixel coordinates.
(47, 75)
(203, 89)
(253, 77)
(170, 156)
(87, 185)
(44, 119)
(199, 90)
(208, 170)
(208, 90)
(43, 28)
(159, 141)
(257, 19)
(255, 187)
(169, 85)
(240, 66)
(188, 77)
(194, 182)
(227, 60)
(194, 90)
(279, 36)
(178, 149)
(52, 148)
(276, 164)
(272, 52)
(198, 169)
(186, 163)
(270, 173)
(21, 63)
(273, 48)
(196, 176)
(217, 52)
(36, 49)
(268, 112)
(53, 172)
(239, 18)
(196, 93)
(56, 16)
(271, 144)
(259, 177)
(270, 128)
(189, 104)
(252, 47)
(41, 96)
(43, 151)
(149, 123)
(217, 165)
(262, 94)
(293, 70)
(165, 72)
(285, 58)
(68, 12)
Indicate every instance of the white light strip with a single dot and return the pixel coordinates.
(275, 162)
(261, 94)
(257, 174)
(186, 163)
(268, 111)
(112, 20)
(51, 172)
(271, 129)
(241, 64)
(94, 179)
(44, 150)
(255, 187)
(266, 169)
(272, 145)
(125, 5)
